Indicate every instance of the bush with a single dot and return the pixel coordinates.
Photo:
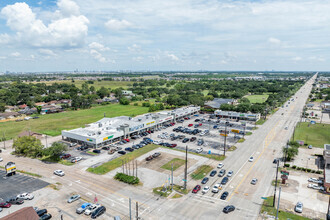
(127, 179)
(309, 170)
(303, 169)
(294, 167)
(298, 168)
(136, 104)
(319, 172)
(146, 104)
(313, 171)
(287, 165)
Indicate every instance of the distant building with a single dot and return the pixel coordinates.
(325, 106)
(237, 115)
(8, 115)
(217, 102)
(128, 93)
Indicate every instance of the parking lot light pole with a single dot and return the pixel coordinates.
(277, 163)
(185, 170)
(224, 147)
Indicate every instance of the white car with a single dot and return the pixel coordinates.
(312, 185)
(205, 189)
(91, 209)
(202, 134)
(215, 188)
(76, 159)
(199, 150)
(230, 173)
(299, 207)
(314, 180)
(25, 196)
(251, 159)
(59, 173)
(220, 165)
(1, 159)
(254, 181)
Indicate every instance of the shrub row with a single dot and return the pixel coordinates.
(127, 179)
(304, 169)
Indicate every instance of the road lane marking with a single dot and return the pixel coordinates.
(268, 141)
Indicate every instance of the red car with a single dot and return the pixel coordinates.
(65, 156)
(200, 124)
(149, 132)
(196, 189)
(5, 205)
(126, 140)
(190, 125)
(172, 123)
(173, 145)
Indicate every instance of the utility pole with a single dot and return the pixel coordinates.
(122, 162)
(4, 141)
(137, 210)
(244, 130)
(185, 169)
(224, 147)
(136, 168)
(286, 152)
(133, 168)
(278, 203)
(172, 177)
(130, 211)
(275, 182)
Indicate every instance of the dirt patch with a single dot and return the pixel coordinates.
(164, 158)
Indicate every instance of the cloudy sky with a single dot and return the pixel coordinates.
(64, 35)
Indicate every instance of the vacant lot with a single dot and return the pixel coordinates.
(113, 164)
(257, 98)
(316, 135)
(177, 162)
(53, 124)
(97, 84)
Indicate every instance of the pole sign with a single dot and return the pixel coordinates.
(265, 198)
(284, 172)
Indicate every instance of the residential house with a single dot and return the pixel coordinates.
(217, 102)
(8, 115)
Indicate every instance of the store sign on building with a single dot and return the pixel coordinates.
(150, 123)
(136, 127)
(109, 137)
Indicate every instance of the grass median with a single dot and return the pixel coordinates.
(201, 172)
(113, 164)
(177, 162)
(267, 207)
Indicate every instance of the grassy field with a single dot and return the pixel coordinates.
(97, 84)
(177, 162)
(257, 98)
(113, 164)
(53, 124)
(316, 135)
(201, 172)
(267, 206)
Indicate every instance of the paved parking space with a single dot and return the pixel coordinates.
(16, 184)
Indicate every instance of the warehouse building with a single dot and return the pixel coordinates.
(110, 130)
(237, 115)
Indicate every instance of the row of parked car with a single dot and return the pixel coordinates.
(144, 142)
(17, 200)
(94, 210)
(43, 213)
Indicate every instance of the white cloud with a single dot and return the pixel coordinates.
(98, 46)
(134, 48)
(296, 58)
(15, 54)
(47, 52)
(116, 25)
(4, 38)
(67, 31)
(138, 59)
(98, 56)
(68, 8)
(172, 57)
(274, 40)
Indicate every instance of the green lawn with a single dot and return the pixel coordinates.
(201, 172)
(257, 98)
(113, 164)
(261, 121)
(53, 124)
(316, 135)
(97, 84)
(177, 162)
(267, 206)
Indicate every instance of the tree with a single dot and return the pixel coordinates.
(124, 101)
(103, 92)
(28, 146)
(39, 108)
(290, 152)
(55, 150)
(2, 107)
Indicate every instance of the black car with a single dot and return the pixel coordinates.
(224, 195)
(99, 211)
(41, 212)
(105, 148)
(196, 120)
(228, 208)
(122, 152)
(129, 149)
(213, 173)
(224, 180)
(96, 151)
(275, 161)
(205, 180)
(185, 140)
(45, 217)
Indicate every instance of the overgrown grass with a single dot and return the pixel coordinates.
(267, 206)
(159, 191)
(177, 162)
(180, 189)
(201, 172)
(53, 124)
(241, 140)
(257, 98)
(232, 148)
(261, 121)
(316, 135)
(176, 195)
(113, 164)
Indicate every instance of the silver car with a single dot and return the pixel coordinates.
(82, 208)
(299, 207)
(73, 198)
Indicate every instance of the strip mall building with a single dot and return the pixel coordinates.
(110, 130)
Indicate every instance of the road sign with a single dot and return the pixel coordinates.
(285, 172)
(184, 180)
(225, 135)
(284, 177)
(235, 131)
(265, 198)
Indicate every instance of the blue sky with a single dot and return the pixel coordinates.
(64, 35)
